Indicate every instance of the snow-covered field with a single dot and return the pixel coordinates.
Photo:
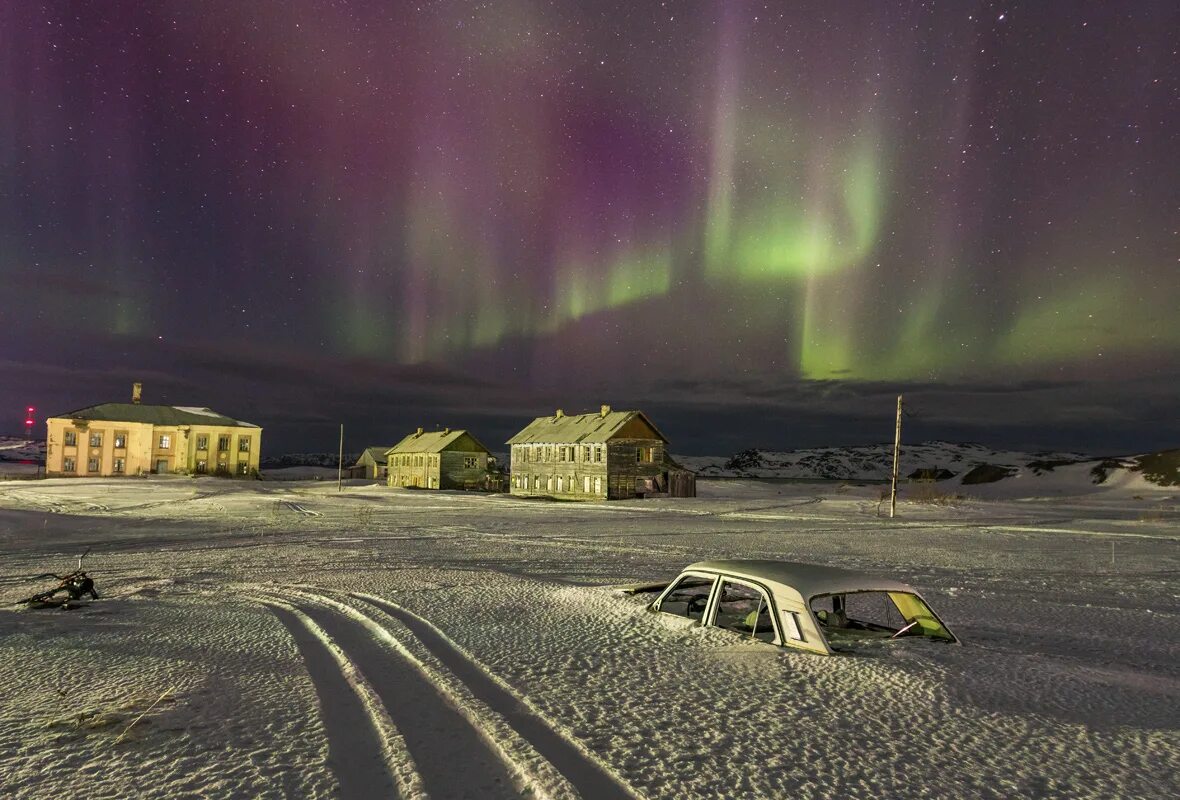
(286, 640)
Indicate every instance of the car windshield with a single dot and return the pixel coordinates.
(876, 615)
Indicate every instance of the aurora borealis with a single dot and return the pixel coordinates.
(736, 215)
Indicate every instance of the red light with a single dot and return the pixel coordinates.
(29, 422)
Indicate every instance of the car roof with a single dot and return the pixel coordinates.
(808, 580)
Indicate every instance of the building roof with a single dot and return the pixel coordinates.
(432, 442)
(595, 427)
(154, 415)
(809, 580)
(377, 454)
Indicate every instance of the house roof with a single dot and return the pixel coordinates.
(155, 415)
(594, 427)
(809, 580)
(432, 442)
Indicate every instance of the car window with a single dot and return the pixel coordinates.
(744, 609)
(876, 614)
(688, 597)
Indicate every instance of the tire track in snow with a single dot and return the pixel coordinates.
(300, 509)
(365, 750)
(452, 759)
(588, 776)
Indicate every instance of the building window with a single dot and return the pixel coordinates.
(223, 443)
(243, 444)
(202, 466)
(71, 439)
(120, 466)
(203, 441)
(243, 467)
(67, 464)
(598, 485)
(120, 441)
(92, 465)
(469, 462)
(96, 439)
(586, 453)
(598, 453)
(165, 441)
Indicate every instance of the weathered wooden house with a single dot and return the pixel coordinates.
(443, 459)
(372, 464)
(604, 456)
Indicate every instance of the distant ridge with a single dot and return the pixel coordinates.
(955, 463)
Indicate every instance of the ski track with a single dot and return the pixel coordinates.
(300, 509)
(453, 760)
(586, 774)
(362, 750)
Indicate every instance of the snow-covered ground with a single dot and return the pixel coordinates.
(287, 640)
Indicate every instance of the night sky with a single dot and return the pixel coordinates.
(759, 222)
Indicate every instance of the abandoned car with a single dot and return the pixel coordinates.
(805, 606)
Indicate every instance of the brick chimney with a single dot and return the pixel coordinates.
(604, 411)
(559, 414)
(136, 393)
(419, 433)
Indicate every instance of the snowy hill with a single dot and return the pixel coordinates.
(967, 464)
(307, 460)
(17, 448)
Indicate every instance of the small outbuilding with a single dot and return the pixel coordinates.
(607, 455)
(372, 464)
(443, 459)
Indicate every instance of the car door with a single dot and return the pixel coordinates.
(745, 608)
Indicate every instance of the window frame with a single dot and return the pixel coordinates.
(710, 613)
(120, 441)
(70, 437)
(95, 438)
(709, 598)
(164, 441)
(767, 595)
(244, 444)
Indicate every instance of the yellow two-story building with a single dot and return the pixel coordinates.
(114, 439)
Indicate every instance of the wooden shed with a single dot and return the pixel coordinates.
(443, 459)
(372, 464)
(607, 455)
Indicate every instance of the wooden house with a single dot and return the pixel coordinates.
(372, 464)
(604, 456)
(443, 459)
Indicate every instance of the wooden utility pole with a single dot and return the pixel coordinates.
(340, 459)
(896, 457)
